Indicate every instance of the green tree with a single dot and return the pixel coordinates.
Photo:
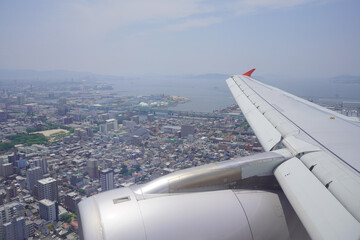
(29, 139)
(66, 217)
(124, 169)
(6, 146)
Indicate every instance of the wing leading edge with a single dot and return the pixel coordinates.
(323, 144)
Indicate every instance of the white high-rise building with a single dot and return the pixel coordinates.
(47, 210)
(32, 176)
(112, 124)
(107, 179)
(48, 189)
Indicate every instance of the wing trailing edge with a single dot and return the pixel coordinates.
(323, 216)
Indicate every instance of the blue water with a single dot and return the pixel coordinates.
(211, 94)
(204, 96)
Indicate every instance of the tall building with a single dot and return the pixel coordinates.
(11, 192)
(107, 179)
(71, 200)
(3, 116)
(7, 169)
(39, 162)
(81, 133)
(111, 125)
(14, 157)
(32, 176)
(21, 163)
(150, 117)
(44, 165)
(48, 210)
(92, 168)
(89, 131)
(103, 128)
(48, 189)
(12, 223)
(187, 130)
(15, 229)
(29, 228)
(11, 210)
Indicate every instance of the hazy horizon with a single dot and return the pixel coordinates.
(207, 91)
(303, 38)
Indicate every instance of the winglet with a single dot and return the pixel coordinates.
(249, 72)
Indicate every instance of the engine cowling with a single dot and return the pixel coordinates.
(225, 214)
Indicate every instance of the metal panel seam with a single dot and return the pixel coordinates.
(142, 218)
(247, 218)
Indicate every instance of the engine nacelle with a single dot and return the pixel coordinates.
(225, 214)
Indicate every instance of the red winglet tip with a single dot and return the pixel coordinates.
(249, 72)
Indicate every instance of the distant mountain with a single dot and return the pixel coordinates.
(27, 74)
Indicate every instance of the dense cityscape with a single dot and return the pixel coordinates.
(61, 143)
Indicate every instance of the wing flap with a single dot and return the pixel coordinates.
(344, 185)
(323, 216)
(297, 146)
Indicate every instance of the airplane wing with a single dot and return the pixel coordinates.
(321, 180)
(305, 185)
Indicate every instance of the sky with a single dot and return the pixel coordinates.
(302, 38)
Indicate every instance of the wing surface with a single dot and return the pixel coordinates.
(324, 142)
(331, 131)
